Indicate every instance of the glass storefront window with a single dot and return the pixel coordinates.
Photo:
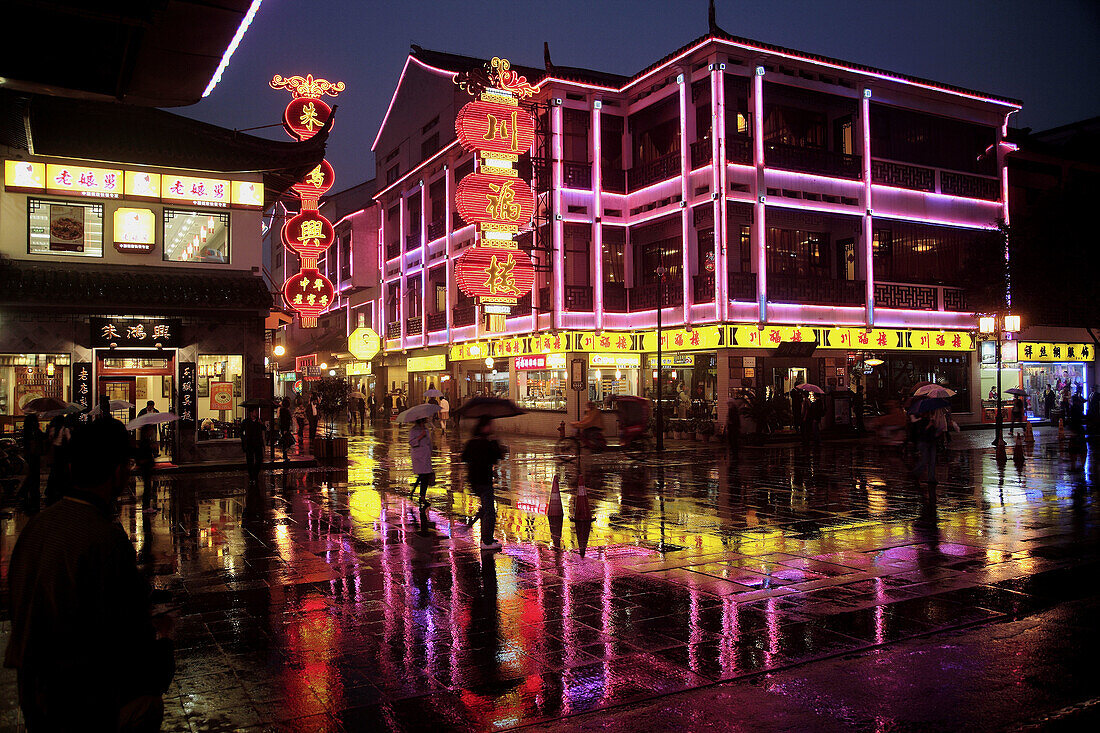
(896, 378)
(196, 236)
(542, 389)
(24, 377)
(691, 383)
(64, 228)
(214, 372)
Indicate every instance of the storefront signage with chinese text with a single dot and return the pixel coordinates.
(615, 361)
(135, 230)
(78, 180)
(187, 403)
(147, 332)
(433, 363)
(527, 363)
(1048, 351)
(221, 395)
(82, 383)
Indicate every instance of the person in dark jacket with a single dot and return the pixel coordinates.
(34, 446)
(59, 482)
(480, 455)
(286, 437)
(252, 441)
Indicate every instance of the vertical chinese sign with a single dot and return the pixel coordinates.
(187, 403)
(495, 272)
(82, 383)
(308, 233)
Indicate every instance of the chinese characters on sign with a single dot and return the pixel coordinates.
(188, 392)
(147, 332)
(1048, 351)
(82, 383)
(221, 395)
(135, 230)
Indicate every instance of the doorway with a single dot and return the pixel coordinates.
(122, 389)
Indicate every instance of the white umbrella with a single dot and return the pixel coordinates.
(151, 418)
(934, 390)
(433, 392)
(418, 412)
(811, 388)
(70, 409)
(115, 405)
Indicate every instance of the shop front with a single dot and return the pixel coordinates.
(1051, 373)
(426, 372)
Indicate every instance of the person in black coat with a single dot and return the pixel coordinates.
(252, 441)
(286, 437)
(480, 455)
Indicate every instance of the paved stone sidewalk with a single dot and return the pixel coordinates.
(330, 602)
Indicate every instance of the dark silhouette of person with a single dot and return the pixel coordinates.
(252, 441)
(34, 446)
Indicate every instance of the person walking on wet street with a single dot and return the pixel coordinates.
(252, 441)
(1017, 414)
(420, 449)
(286, 437)
(83, 641)
(57, 441)
(925, 430)
(34, 446)
(444, 414)
(361, 406)
(150, 431)
(143, 456)
(733, 427)
(313, 416)
(480, 455)
(857, 408)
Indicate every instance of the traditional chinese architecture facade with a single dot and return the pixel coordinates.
(135, 269)
(795, 218)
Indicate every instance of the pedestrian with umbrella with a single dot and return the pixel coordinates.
(146, 424)
(927, 422)
(57, 442)
(813, 409)
(1017, 408)
(420, 447)
(481, 453)
(34, 446)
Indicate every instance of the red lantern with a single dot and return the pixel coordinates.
(315, 183)
(498, 274)
(309, 234)
(487, 198)
(495, 127)
(309, 293)
(304, 117)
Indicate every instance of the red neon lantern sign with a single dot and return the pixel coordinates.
(487, 198)
(315, 183)
(304, 117)
(309, 293)
(495, 127)
(309, 234)
(496, 274)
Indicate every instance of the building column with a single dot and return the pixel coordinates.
(557, 226)
(759, 231)
(423, 264)
(868, 209)
(684, 81)
(718, 189)
(403, 215)
(597, 216)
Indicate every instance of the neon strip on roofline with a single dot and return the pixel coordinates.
(773, 52)
(224, 64)
(402, 179)
(404, 69)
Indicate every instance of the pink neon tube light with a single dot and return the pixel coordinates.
(597, 228)
(868, 234)
(685, 196)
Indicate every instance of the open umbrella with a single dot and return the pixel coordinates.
(811, 388)
(934, 390)
(151, 418)
(489, 407)
(115, 405)
(927, 404)
(70, 408)
(921, 385)
(433, 392)
(44, 404)
(418, 412)
(356, 395)
(262, 402)
(1016, 391)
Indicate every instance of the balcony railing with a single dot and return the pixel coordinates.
(702, 288)
(456, 222)
(817, 290)
(436, 229)
(742, 286)
(739, 149)
(614, 180)
(811, 160)
(463, 315)
(414, 326)
(661, 169)
(576, 175)
(953, 299)
(412, 240)
(614, 297)
(974, 187)
(902, 175)
(522, 308)
(578, 297)
(645, 297)
(393, 330)
(393, 249)
(701, 153)
(437, 322)
(905, 295)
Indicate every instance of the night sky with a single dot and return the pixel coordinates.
(1044, 53)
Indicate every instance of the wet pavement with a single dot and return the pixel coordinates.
(329, 601)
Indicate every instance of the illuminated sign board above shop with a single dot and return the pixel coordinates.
(1048, 351)
(135, 230)
(124, 332)
(615, 361)
(434, 363)
(78, 180)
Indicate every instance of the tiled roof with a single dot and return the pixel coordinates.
(44, 284)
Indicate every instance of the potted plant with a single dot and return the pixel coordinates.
(691, 429)
(333, 394)
(677, 428)
(767, 413)
(706, 429)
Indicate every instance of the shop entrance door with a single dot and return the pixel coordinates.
(120, 388)
(784, 380)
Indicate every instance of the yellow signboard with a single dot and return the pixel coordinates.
(433, 363)
(615, 361)
(199, 191)
(770, 336)
(888, 339)
(135, 230)
(247, 195)
(22, 175)
(470, 350)
(363, 343)
(79, 180)
(142, 185)
(1048, 351)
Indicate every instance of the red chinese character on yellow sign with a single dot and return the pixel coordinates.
(502, 205)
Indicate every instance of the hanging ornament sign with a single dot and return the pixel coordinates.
(497, 130)
(308, 233)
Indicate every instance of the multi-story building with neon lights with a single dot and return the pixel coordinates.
(812, 217)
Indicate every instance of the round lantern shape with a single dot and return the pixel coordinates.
(495, 127)
(309, 293)
(496, 274)
(309, 234)
(304, 117)
(315, 183)
(487, 198)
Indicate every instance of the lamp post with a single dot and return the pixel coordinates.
(999, 324)
(659, 421)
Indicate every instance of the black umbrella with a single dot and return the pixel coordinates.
(928, 404)
(489, 407)
(258, 402)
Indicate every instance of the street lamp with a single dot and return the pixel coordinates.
(659, 422)
(999, 324)
(279, 350)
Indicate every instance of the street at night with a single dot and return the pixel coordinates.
(327, 600)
